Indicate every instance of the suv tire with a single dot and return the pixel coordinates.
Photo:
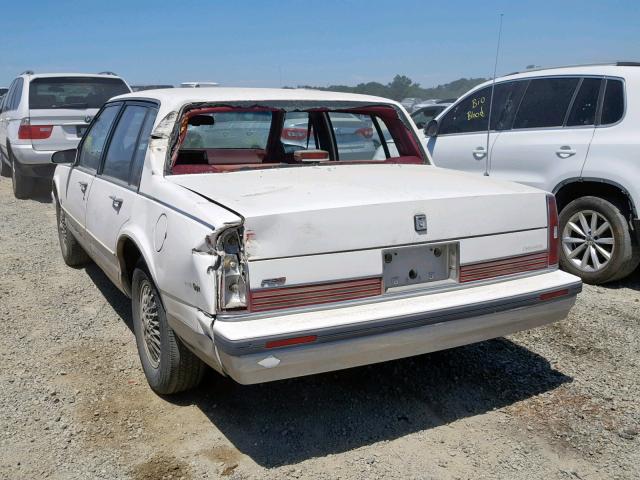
(603, 248)
(170, 367)
(5, 169)
(72, 252)
(22, 186)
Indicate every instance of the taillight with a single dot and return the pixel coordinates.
(365, 132)
(33, 132)
(232, 273)
(294, 133)
(553, 233)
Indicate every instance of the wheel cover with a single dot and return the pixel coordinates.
(588, 241)
(150, 323)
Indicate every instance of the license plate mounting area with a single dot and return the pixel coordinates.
(407, 267)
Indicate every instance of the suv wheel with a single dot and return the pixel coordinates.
(72, 252)
(168, 364)
(22, 186)
(5, 169)
(596, 241)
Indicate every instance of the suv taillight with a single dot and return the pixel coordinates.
(33, 132)
(553, 231)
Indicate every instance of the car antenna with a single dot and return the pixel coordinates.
(487, 164)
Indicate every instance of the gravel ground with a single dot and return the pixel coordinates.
(558, 402)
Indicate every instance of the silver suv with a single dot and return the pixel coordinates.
(572, 131)
(46, 112)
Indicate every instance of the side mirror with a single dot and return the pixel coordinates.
(431, 130)
(64, 156)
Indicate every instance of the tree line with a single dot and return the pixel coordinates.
(403, 87)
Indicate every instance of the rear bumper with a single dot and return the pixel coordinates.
(33, 163)
(365, 334)
(310, 359)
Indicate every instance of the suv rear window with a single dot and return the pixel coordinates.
(613, 105)
(73, 92)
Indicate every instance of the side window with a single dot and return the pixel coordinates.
(7, 98)
(507, 97)
(141, 149)
(123, 144)
(17, 94)
(354, 136)
(613, 105)
(94, 141)
(583, 111)
(296, 134)
(545, 103)
(469, 115)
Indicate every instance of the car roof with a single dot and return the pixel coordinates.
(58, 74)
(175, 98)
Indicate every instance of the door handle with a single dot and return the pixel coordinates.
(83, 186)
(565, 151)
(479, 153)
(116, 202)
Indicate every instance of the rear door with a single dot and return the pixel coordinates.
(67, 105)
(551, 132)
(114, 189)
(82, 174)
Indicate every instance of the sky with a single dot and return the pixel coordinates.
(287, 42)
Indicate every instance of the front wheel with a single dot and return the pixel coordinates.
(169, 366)
(597, 244)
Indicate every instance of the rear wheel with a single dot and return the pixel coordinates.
(597, 244)
(5, 169)
(22, 185)
(170, 367)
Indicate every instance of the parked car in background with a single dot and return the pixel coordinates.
(140, 88)
(571, 131)
(198, 84)
(424, 113)
(409, 102)
(268, 263)
(46, 112)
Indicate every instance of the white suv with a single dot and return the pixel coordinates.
(572, 131)
(46, 112)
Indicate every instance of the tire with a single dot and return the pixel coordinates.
(169, 366)
(5, 169)
(22, 186)
(72, 252)
(596, 242)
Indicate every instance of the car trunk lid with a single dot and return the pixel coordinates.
(300, 211)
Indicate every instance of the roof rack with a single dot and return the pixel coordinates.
(612, 64)
(108, 73)
(27, 72)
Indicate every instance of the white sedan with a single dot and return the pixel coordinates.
(268, 262)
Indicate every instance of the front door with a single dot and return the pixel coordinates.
(461, 143)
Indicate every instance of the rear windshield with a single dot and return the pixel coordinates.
(73, 92)
(226, 138)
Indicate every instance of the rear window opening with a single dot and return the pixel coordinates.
(220, 139)
(73, 92)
